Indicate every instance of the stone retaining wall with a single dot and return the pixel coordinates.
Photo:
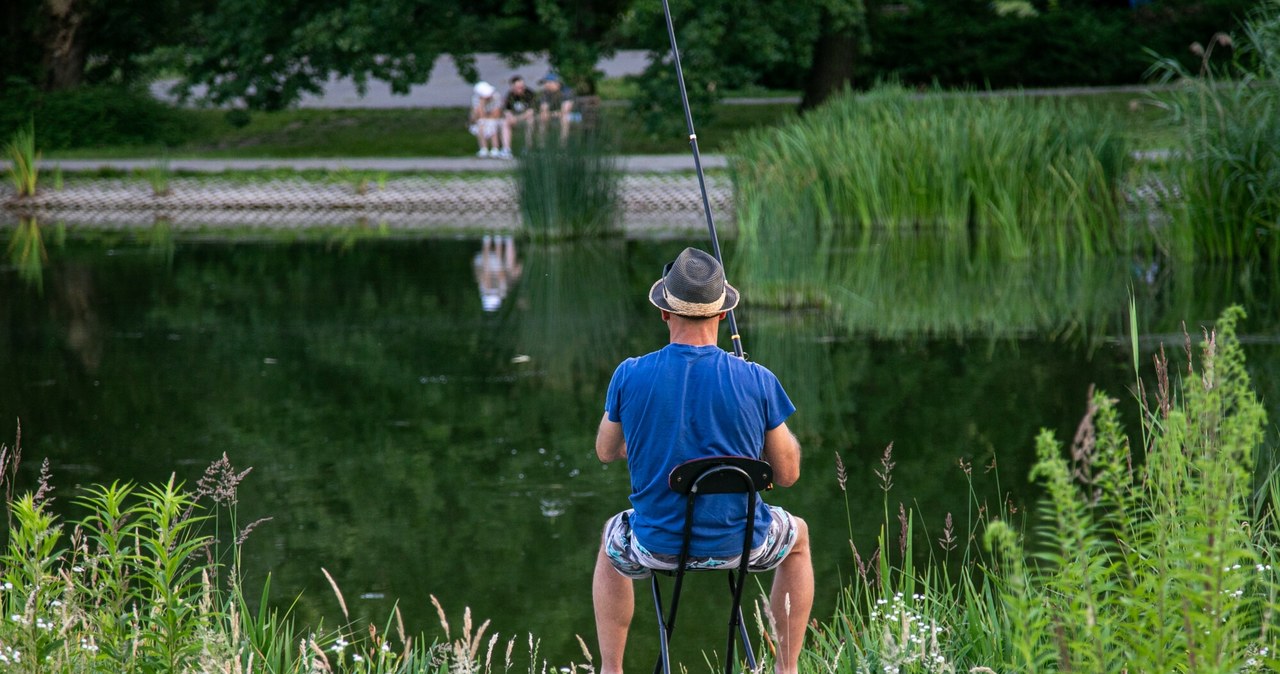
(648, 201)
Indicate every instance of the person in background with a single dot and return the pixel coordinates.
(554, 101)
(485, 119)
(517, 108)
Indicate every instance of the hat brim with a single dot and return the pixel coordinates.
(657, 298)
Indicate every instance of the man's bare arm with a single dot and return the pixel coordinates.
(782, 452)
(610, 443)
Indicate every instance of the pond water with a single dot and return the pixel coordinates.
(416, 439)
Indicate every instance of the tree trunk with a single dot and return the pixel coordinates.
(65, 46)
(834, 57)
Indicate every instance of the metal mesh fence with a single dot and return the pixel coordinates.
(464, 202)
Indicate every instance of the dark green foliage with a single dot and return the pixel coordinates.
(93, 116)
(966, 43)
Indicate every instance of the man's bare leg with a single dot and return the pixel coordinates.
(615, 601)
(791, 600)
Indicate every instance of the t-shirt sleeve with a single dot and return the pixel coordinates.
(613, 397)
(777, 405)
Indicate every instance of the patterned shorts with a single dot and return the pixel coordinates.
(632, 560)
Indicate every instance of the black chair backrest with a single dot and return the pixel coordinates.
(724, 481)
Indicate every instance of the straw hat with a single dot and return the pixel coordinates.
(693, 285)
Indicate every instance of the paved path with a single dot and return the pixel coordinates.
(444, 88)
(650, 163)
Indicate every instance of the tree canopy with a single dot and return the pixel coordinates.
(266, 55)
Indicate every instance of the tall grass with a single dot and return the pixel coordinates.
(568, 187)
(1228, 168)
(159, 175)
(1155, 560)
(24, 160)
(148, 579)
(1005, 177)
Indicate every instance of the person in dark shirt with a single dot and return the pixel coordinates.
(517, 108)
(554, 102)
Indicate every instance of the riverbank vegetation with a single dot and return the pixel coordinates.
(1000, 178)
(1150, 553)
(1227, 164)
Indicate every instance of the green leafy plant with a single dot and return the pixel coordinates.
(24, 160)
(159, 174)
(1164, 563)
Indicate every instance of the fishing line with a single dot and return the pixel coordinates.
(697, 165)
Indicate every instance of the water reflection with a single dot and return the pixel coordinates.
(27, 252)
(497, 269)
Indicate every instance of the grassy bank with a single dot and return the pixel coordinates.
(440, 131)
(427, 132)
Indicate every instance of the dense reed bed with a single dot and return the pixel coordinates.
(1228, 168)
(998, 177)
(1150, 554)
(568, 187)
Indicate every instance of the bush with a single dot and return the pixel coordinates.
(92, 116)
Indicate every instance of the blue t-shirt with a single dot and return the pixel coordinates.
(687, 402)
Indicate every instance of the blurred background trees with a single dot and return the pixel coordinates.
(266, 55)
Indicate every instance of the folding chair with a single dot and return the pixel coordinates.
(714, 475)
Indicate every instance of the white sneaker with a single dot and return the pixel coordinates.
(504, 154)
(482, 153)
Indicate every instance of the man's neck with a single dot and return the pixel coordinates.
(694, 333)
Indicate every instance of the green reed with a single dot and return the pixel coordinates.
(1155, 560)
(568, 187)
(1007, 177)
(1228, 168)
(159, 175)
(24, 160)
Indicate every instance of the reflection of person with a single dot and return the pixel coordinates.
(517, 108)
(496, 270)
(690, 400)
(484, 120)
(554, 101)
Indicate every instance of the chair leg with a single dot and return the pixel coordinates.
(663, 665)
(737, 626)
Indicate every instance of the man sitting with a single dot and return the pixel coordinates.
(484, 120)
(556, 102)
(691, 400)
(517, 108)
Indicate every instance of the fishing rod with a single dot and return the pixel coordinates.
(697, 165)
